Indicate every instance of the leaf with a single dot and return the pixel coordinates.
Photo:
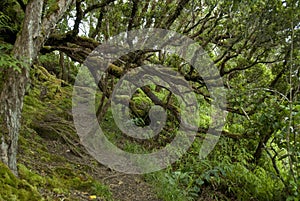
(92, 197)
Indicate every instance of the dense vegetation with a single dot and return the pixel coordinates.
(253, 44)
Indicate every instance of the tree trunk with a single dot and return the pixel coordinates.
(67, 70)
(28, 43)
(261, 145)
(62, 65)
(15, 82)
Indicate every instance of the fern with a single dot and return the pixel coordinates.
(5, 21)
(9, 61)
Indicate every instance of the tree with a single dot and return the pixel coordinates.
(35, 30)
(253, 44)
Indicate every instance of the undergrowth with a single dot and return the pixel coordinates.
(219, 177)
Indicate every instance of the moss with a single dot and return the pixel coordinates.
(47, 101)
(31, 177)
(53, 7)
(65, 179)
(101, 190)
(92, 186)
(87, 40)
(33, 108)
(40, 115)
(141, 106)
(62, 181)
(13, 188)
(115, 70)
(7, 176)
(64, 172)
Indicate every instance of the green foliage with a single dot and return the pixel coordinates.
(51, 7)
(11, 17)
(9, 61)
(257, 52)
(258, 184)
(226, 170)
(167, 187)
(4, 22)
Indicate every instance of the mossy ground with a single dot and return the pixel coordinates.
(52, 163)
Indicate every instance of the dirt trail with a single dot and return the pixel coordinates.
(124, 187)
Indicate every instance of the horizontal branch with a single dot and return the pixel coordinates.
(98, 5)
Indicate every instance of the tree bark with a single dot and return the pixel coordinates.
(62, 65)
(13, 91)
(34, 32)
(260, 147)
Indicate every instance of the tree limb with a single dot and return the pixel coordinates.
(98, 5)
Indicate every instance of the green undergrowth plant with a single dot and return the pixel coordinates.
(258, 184)
(7, 60)
(225, 174)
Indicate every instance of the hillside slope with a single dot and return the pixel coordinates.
(53, 165)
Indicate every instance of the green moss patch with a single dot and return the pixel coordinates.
(13, 188)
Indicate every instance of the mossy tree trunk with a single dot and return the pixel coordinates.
(34, 32)
(13, 91)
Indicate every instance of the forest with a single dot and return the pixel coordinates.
(153, 100)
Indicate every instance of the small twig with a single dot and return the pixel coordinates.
(246, 114)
